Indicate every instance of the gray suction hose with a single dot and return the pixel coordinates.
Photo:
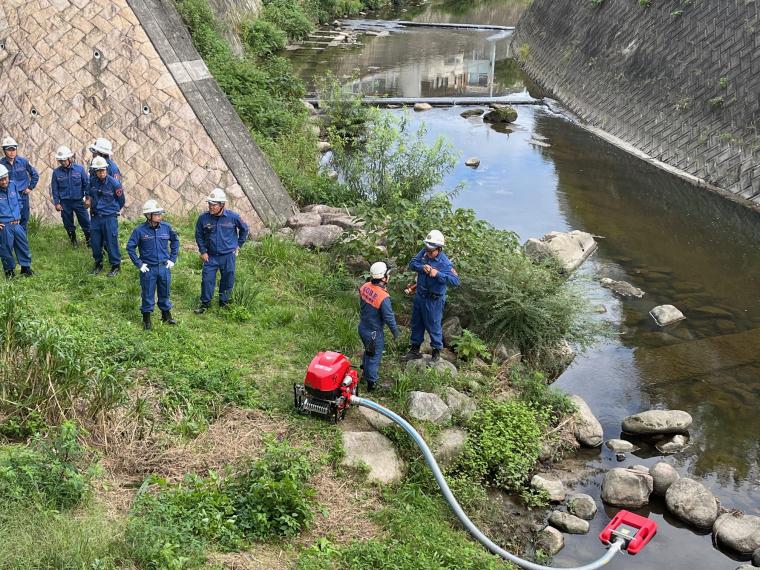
(614, 548)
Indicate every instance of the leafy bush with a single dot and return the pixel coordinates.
(534, 390)
(263, 38)
(504, 444)
(394, 163)
(46, 372)
(267, 498)
(269, 495)
(289, 16)
(469, 346)
(51, 473)
(345, 112)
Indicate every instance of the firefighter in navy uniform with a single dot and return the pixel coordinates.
(158, 246)
(12, 234)
(434, 274)
(375, 312)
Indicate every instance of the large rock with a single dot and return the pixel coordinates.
(622, 288)
(459, 404)
(756, 558)
(551, 485)
(665, 315)
(450, 445)
(568, 523)
(452, 327)
(657, 422)
(505, 114)
(375, 419)
(620, 446)
(673, 444)
(473, 162)
(587, 429)
(571, 249)
(582, 505)
(342, 220)
(692, 502)
(376, 451)
(442, 366)
(428, 407)
(550, 541)
(471, 113)
(304, 219)
(664, 475)
(319, 236)
(422, 106)
(738, 532)
(626, 488)
(506, 353)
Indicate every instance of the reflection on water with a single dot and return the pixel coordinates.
(498, 12)
(417, 62)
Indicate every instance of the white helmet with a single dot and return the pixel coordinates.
(63, 153)
(102, 146)
(434, 240)
(152, 207)
(217, 195)
(378, 270)
(9, 142)
(99, 163)
(3, 171)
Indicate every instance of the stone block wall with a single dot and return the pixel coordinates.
(74, 70)
(678, 79)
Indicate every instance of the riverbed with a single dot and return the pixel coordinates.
(680, 244)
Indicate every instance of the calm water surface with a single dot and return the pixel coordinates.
(681, 245)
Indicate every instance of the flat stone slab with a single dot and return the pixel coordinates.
(655, 422)
(620, 446)
(571, 249)
(374, 450)
(665, 315)
(428, 407)
(375, 419)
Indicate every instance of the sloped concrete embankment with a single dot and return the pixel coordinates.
(680, 82)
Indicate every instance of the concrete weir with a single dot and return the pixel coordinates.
(77, 70)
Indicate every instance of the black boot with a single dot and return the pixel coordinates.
(202, 308)
(10, 274)
(73, 237)
(114, 271)
(436, 355)
(27, 271)
(414, 353)
(147, 325)
(97, 269)
(166, 316)
(224, 304)
(87, 239)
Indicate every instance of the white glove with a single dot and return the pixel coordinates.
(169, 264)
(144, 268)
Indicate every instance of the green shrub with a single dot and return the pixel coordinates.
(263, 38)
(469, 346)
(345, 112)
(51, 473)
(289, 16)
(394, 163)
(551, 403)
(503, 445)
(172, 526)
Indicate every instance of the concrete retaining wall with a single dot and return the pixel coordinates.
(679, 81)
(74, 70)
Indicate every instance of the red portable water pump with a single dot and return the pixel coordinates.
(330, 382)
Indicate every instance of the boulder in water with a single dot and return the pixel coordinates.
(655, 422)
(692, 502)
(664, 475)
(626, 488)
(738, 532)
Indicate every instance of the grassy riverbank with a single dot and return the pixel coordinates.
(146, 410)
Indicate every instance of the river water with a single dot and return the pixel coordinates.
(680, 244)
